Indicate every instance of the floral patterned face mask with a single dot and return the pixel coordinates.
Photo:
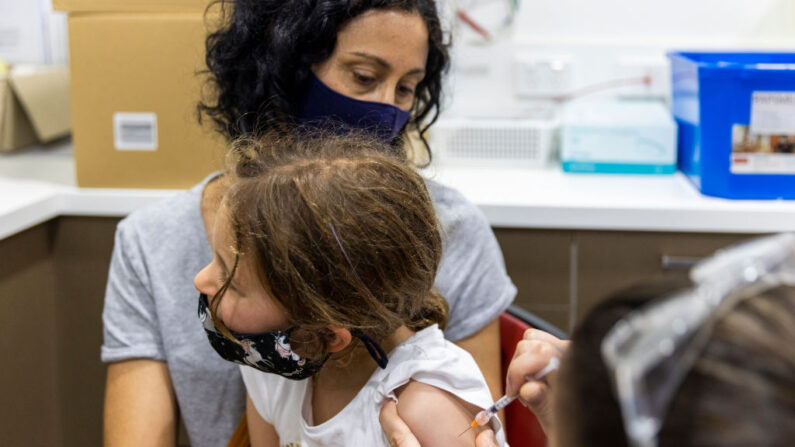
(268, 352)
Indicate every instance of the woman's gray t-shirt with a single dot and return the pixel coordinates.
(151, 306)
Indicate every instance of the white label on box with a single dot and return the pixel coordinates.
(135, 131)
(763, 164)
(773, 113)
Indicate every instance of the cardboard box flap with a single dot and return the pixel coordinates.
(15, 128)
(44, 95)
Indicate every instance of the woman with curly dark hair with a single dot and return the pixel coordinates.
(305, 61)
(373, 65)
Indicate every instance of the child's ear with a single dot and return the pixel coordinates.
(339, 339)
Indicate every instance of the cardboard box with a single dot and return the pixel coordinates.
(34, 105)
(134, 93)
(129, 5)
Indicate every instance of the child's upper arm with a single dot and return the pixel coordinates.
(435, 416)
(261, 432)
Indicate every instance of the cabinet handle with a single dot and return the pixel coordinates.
(678, 262)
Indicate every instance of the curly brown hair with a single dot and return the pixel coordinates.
(341, 232)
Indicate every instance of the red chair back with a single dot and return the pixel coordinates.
(521, 426)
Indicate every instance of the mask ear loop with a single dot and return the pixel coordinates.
(373, 348)
(376, 352)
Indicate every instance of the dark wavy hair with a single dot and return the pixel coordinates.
(259, 60)
(739, 392)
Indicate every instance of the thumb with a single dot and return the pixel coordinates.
(486, 438)
(397, 432)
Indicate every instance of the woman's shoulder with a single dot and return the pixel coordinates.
(446, 198)
(456, 213)
(179, 215)
(472, 275)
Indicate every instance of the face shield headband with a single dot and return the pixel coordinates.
(651, 350)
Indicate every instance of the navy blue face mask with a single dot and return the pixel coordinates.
(270, 352)
(323, 106)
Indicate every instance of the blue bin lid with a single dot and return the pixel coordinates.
(753, 60)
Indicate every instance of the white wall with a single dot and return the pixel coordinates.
(669, 22)
(590, 42)
(30, 32)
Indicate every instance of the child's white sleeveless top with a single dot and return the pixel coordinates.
(425, 357)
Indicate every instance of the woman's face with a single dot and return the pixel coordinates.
(246, 307)
(380, 57)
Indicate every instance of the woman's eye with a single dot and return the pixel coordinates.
(363, 79)
(405, 90)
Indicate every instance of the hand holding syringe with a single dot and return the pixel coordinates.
(485, 416)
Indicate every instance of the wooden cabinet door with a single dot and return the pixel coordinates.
(608, 261)
(538, 262)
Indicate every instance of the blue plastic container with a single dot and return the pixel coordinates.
(719, 149)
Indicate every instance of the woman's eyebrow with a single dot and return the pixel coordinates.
(384, 63)
(373, 58)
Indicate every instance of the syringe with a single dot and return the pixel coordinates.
(485, 416)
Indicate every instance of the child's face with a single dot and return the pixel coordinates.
(246, 307)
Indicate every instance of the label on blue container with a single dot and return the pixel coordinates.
(773, 113)
(747, 163)
(766, 146)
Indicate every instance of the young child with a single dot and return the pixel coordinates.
(326, 251)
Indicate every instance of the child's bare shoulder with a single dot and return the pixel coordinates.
(435, 416)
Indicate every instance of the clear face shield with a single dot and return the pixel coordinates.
(651, 350)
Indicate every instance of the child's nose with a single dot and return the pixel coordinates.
(203, 282)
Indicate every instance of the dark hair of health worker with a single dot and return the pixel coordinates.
(261, 62)
(739, 392)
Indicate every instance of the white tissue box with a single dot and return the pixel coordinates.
(611, 136)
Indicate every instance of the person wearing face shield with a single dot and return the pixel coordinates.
(704, 362)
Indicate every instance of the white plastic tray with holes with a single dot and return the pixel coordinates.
(494, 142)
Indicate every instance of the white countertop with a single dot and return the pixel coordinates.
(39, 184)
